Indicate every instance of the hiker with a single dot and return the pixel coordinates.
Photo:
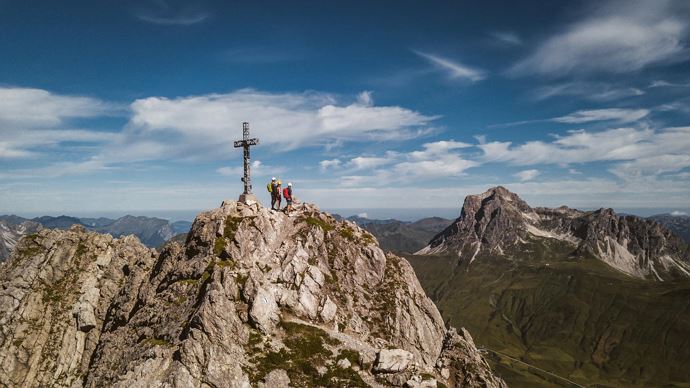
(277, 198)
(272, 188)
(287, 193)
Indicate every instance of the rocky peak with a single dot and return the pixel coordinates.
(487, 221)
(499, 223)
(252, 298)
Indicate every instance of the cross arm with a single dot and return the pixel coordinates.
(249, 142)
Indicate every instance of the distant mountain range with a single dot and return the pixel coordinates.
(591, 297)
(401, 236)
(151, 231)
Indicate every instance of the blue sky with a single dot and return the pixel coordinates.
(133, 106)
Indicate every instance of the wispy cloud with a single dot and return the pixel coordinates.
(638, 152)
(617, 37)
(599, 92)
(201, 126)
(664, 84)
(507, 37)
(32, 120)
(454, 69)
(619, 115)
(611, 114)
(527, 175)
(172, 14)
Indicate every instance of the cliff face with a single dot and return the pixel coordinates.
(499, 223)
(253, 298)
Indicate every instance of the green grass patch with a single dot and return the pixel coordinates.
(219, 246)
(231, 226)
(307, 349)
(325, 226)
(348, 233)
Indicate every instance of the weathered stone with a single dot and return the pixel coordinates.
(344, 363)
(277, 378)
(82, 309)
(392, 360)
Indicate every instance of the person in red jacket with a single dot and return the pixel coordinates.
(287, 194)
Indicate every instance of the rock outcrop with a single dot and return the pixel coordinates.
(11, 232)
(252, 298)
(499, 223)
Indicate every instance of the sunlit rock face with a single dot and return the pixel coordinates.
(252, 298)
(499, 223)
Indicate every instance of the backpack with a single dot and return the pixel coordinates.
(269, 187)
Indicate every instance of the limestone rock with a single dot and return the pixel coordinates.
(499, 223)
(393, 360)
(344, 363)
(277, 378)
(249, 295)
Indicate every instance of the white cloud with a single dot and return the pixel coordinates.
(664, 84)
(205, 126)
(616, 37)
(444, 166)
(363, 215)
(362, 163)
(639, 152)
(587, 116)
(174, 13)
(454, 69)
(439, 148)
(507, 37)
(22, 108)
(677, 213)
(587, 90)
(619, 115)
(328, 164)
(527, 175)
(34, 120)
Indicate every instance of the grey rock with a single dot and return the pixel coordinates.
(79, 308)
(277, 378)
(393, 360)
(499, 223)
(344, 363)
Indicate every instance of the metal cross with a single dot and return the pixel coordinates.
(245, 143)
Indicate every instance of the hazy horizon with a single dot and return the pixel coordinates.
(408, 215)
(387, 104)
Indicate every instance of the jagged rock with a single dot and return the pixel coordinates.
(393, 360)
(418, 382)
(344, 363)
(57, 288)
(277, 378)
(499, 223)
(250, 289)
(469, 369)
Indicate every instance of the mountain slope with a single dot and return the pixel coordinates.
(151, 231)
(678, 224)
(537, 285)
(252, 297)
(11, 231)
(399, 236)
(498, 222)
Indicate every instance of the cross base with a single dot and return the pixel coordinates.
(248, 199)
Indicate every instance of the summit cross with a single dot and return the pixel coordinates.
(245, 143)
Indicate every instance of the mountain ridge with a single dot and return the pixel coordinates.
(253, 297)
(499, 223)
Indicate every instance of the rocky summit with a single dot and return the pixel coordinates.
(499, 223)
(252, 298)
